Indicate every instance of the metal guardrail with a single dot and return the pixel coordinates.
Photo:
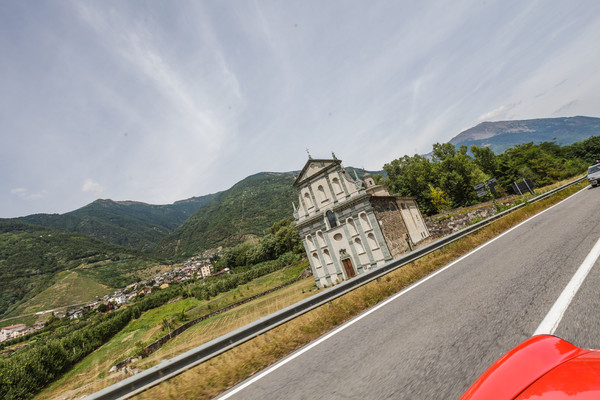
(175, 366)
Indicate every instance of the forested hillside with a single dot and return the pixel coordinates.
(126, 223)
(250, 207)
(32, 256)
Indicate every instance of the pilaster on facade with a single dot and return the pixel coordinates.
(314, 200)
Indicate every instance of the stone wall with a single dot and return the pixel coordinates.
(392, 224)
(452, 221)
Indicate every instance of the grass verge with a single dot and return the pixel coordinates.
(226, 370)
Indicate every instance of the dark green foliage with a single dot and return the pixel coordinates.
(453, 172)
(126, 223)
(588, 150)
(31, 257)
(282, 238)
(29, 370)
(411, 176)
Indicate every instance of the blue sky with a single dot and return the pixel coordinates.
(160, 101)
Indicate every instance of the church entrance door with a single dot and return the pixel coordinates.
(347, 263)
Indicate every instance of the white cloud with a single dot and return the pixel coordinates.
(24, 194)
(19, 191)
(89, 186)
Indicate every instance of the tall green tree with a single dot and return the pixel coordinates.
(411, 176)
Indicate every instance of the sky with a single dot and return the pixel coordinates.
(158, 101)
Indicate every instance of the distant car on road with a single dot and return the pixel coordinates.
(542, 368)
(594, 174)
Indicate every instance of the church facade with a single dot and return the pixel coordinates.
(349, 225)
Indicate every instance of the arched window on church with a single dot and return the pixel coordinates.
(372, 241)
(327, 257)
(359, 246)
(351, 227)
(337, 188)
(316, 261)
(320, 239)
(307, 200)
(321, 194)
(311, 243)
(331, 218)
(364, 221)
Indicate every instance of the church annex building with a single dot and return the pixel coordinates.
(350, 225)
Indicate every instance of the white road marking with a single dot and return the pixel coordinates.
(555, 315)
(377, 307)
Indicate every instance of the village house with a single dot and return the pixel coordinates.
(12, 331)
(206, 270)
(349, 225)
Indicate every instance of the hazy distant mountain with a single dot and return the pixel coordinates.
(501, 135)
(126, 223)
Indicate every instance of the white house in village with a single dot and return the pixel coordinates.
(349, 225)
(12, 331)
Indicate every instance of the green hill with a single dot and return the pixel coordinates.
(32, 258)
(250, 207)
(126, 223)
(247, 209)
(501, 135)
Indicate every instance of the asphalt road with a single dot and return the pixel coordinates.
(433, 341)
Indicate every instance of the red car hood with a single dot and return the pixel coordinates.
(577, 378)
(535, 370)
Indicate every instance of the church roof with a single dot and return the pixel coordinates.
(315, 167)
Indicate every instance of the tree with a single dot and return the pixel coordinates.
(439, 199)
(411, 176)
(486, 160)
(456, 172)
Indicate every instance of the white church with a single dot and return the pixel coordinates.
(349, 225)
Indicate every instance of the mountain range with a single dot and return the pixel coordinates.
(501, 135)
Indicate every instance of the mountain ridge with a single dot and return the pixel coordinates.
(500, 135)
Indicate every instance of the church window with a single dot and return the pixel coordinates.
(327, 257)
(320, 238)
(321, 194)
(351, 227)
(393, 207)
(311, 243)
(338, 237)
(372, 241)
(307, 200)
(316, 261)
(337, 188)
(364, 221)
(359, 246)
(331, 218)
